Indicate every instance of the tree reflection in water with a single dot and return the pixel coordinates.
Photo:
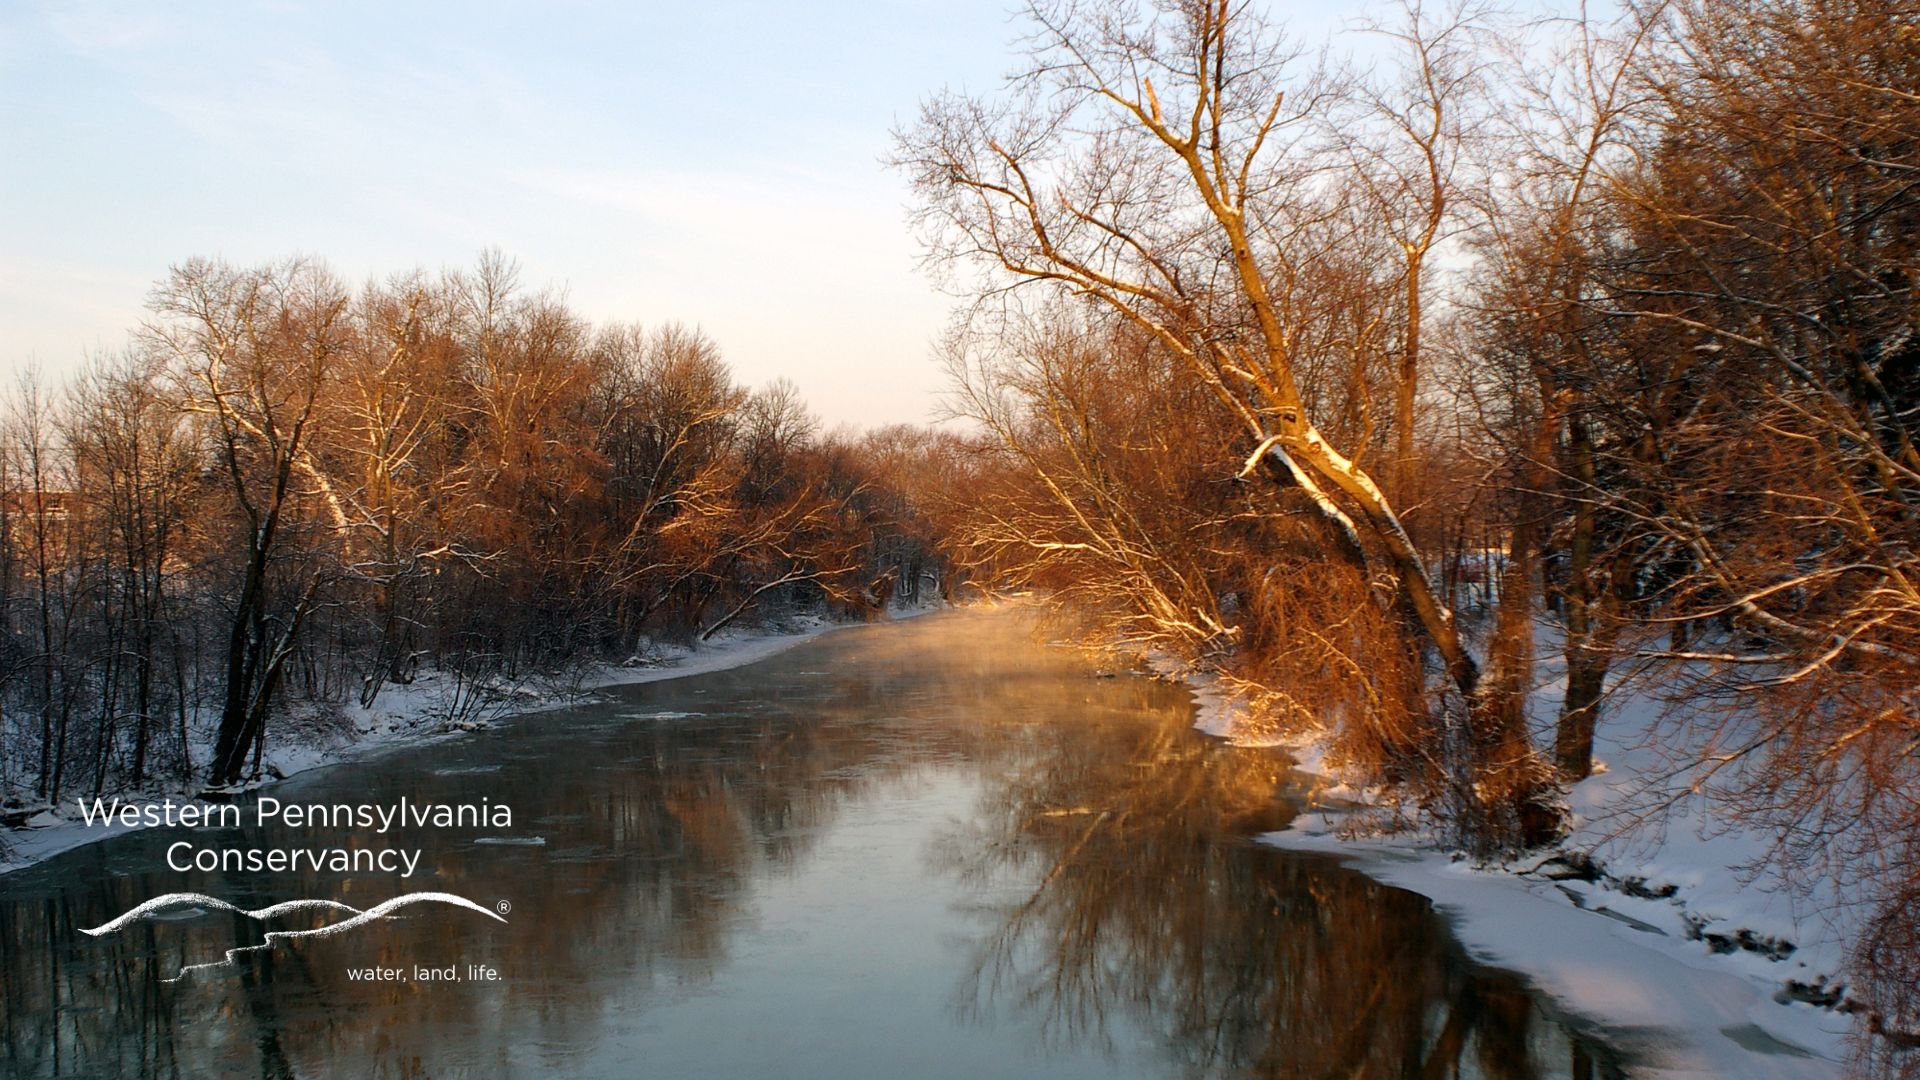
(1105, 844)
(1146, 901)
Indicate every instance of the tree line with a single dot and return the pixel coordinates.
(285, 494)
(1365, 384)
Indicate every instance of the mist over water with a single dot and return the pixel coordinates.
(929, 849)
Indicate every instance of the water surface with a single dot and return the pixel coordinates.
(928, 849)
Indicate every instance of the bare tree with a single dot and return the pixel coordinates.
(132, 463)
(1158, 163)
(254, 349)
(1540, 220)
(45, 513)
(1407, 146)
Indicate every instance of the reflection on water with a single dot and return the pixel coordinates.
(932, 849)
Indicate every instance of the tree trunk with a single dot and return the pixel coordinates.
(1588, 657)
(243, 644)
(1406, 387)
(1573, 736)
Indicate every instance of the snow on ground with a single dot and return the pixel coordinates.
(1677, 1008)
(436, 706)
(1673, 949)
(680, 661)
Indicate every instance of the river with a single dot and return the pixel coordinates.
(936, 848)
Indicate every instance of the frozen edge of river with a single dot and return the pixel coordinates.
(1679, 1008)
(403, 716)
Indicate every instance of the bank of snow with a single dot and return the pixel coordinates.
(1647, 928)
(433, 706)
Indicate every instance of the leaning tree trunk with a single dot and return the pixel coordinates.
(1416, 585)
(1506, 790)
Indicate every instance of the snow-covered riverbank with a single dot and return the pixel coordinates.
(1646, 926)
(428, 709)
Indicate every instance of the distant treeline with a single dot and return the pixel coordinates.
(285, 490)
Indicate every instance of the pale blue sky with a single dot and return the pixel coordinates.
(713, 162)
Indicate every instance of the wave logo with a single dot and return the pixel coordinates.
(160, 905)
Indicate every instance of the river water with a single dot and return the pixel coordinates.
(930, 849)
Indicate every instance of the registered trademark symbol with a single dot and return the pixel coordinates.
(504, 906)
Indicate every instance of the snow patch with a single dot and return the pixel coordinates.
(1646, 925)
(1692, 1014)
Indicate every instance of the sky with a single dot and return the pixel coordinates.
(717, 163)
